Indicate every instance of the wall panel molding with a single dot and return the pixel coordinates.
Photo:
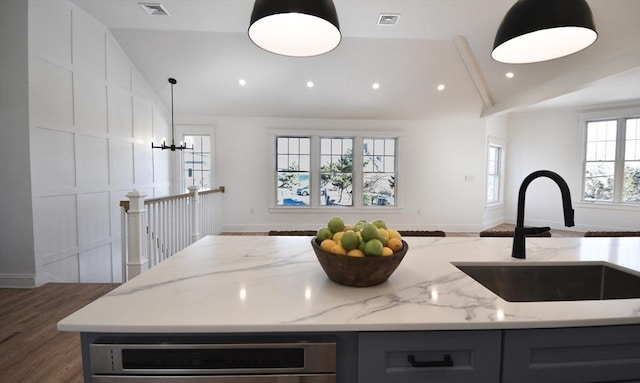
(90, 113)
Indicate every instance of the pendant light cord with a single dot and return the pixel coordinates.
(172, 132)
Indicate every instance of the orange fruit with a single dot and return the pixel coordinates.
(355, 253)
(338, 249)
(327, 244)
(394, 244)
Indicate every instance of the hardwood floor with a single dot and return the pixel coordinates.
(31, 347)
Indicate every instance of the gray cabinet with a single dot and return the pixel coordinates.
(563, 355)
(433, 356)
(584, 354)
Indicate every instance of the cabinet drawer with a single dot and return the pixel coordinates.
(437, 356)
(586, 354)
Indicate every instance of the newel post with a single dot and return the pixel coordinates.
(138, 261)
(195, 213)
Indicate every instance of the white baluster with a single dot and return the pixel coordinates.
(195, 220)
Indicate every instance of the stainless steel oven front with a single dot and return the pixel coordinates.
(198, 361)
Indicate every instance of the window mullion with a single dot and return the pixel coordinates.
(314, 185)
(619, 165)
(357, 172)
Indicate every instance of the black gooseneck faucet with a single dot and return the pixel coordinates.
(518, 250)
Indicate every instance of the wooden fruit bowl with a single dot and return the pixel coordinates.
(358, 271)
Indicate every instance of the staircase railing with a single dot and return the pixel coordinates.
(156, 228)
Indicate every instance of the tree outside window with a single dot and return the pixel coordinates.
(631, 183)
(319, 171)
(293, 164)
(379, 171)
(336, 171)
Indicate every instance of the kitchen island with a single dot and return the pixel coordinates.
(270, 287)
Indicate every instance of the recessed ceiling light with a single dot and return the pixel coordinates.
(441, 87)
(242, 82)
(375, 85)
(509, 74)
(309, 84)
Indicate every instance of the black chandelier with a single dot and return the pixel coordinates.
(173, 147)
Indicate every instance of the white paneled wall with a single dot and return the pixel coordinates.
(92, 117)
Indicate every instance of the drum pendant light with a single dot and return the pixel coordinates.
(541, 30)
(298, 28)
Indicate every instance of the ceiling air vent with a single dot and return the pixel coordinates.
(154, 9)
(388, 19)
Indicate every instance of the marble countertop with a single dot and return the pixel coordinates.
(224, 284)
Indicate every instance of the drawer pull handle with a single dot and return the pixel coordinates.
(445, 362)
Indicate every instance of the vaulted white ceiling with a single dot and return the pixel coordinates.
(204, 45)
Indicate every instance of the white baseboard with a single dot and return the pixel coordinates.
(20, 281)
(492, 223)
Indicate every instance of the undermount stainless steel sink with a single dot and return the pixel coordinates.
(562, 282)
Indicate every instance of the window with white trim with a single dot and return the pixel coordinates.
(494, 174)
(612, 160)
(293, 169)
(336, 171)
(347, 171)
(378, 171)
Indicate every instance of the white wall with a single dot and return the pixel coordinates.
(552, 140)
(17, 265)
(440, 175)
(91, 119)
(497, 134)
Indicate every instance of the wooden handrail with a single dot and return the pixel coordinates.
(125, 204)
(220, 189)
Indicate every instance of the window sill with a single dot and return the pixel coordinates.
(334, 209)
(607, 205)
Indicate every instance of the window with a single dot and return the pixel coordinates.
(196, 164)
(335, 171)
(378, 171)
(293, 166)
(494, 175)
(612, 161)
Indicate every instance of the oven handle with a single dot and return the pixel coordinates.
(307, 378)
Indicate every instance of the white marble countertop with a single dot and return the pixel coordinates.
(224, 284)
